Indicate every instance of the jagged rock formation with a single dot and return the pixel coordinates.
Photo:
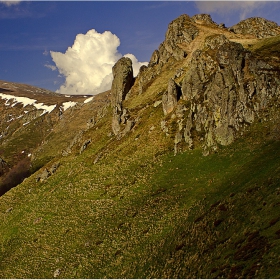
(122, 83)
(226, 89)
(259, 27)
(224, 86)
(180, 31)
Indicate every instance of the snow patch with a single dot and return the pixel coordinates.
(26, 101)
(68, 104)
(88, 99)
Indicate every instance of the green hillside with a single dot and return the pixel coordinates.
(144, 203)
(148, 216)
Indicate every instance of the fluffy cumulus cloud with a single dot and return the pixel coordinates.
(87, 65)
(10, 3)
(243, 8)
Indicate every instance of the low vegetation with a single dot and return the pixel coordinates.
(127, 207)
(141, 213)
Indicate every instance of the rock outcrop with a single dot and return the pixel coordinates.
(203, 18)
(170, 98)
(216, 93)
(225, 90)
(180, 32)
(123, 80)
(85, 145)
(47, 172)
(257, 26)
(122, 83)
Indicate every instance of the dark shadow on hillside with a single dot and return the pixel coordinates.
(15, 175)
(3, 90)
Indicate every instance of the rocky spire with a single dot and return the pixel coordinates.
(122, 83)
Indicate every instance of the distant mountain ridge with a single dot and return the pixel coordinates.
(28, 115)
(172, 174)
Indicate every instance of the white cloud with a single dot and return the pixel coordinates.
(87, 65)
(244, 8)
(10, 3)
(52, 67)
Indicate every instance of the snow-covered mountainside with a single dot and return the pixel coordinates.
(29, 115)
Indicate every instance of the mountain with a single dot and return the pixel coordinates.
(171, 174)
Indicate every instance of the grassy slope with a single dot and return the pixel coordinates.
(142, 212)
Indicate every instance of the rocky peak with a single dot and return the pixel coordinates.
(257, 26)
(122, 83)
(180, 31)
(224, 90)
(222, 87)
(203, 18)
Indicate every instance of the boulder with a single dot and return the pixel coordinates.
(85, 145)
(154, 59)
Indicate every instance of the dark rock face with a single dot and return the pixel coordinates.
(259, 27)
(122, 83)
(85, 145)
(225, 89)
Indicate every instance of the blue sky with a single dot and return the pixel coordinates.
(30, 30)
